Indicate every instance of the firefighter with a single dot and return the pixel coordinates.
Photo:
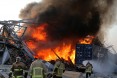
(59, 68)
(17, 68)
(88, 69)
(38, 69)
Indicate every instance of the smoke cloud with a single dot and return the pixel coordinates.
(108, 64)
(70, 19)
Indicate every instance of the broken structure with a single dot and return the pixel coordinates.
(11, 44)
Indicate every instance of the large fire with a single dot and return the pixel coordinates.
(63, 50)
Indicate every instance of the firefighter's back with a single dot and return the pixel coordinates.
(38, 69)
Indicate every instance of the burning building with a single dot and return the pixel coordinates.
(63, 24)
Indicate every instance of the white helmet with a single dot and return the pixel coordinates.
(18, 59)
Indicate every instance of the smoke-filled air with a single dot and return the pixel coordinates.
(60, 24)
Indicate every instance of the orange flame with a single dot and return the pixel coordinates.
(63, 50)
(38, 33)
(86, 40)
(31, 45)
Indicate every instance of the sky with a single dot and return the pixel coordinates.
(10, 9)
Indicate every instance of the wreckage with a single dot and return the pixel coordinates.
(11, 45)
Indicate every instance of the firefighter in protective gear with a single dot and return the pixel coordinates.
(38, 69)
(59, 69)
(88, 69)
(17, 68)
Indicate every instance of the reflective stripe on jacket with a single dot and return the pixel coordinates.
(37, 72)
(59, 72)
(59, 68)
(17, 77)
(89, 69)
(18, 72)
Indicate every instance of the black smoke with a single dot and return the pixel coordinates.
(69, 19)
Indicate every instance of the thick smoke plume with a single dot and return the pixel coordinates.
(69, 19)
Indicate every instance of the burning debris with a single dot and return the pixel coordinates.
(62, 24)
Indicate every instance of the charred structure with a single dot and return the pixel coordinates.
(11, 44)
